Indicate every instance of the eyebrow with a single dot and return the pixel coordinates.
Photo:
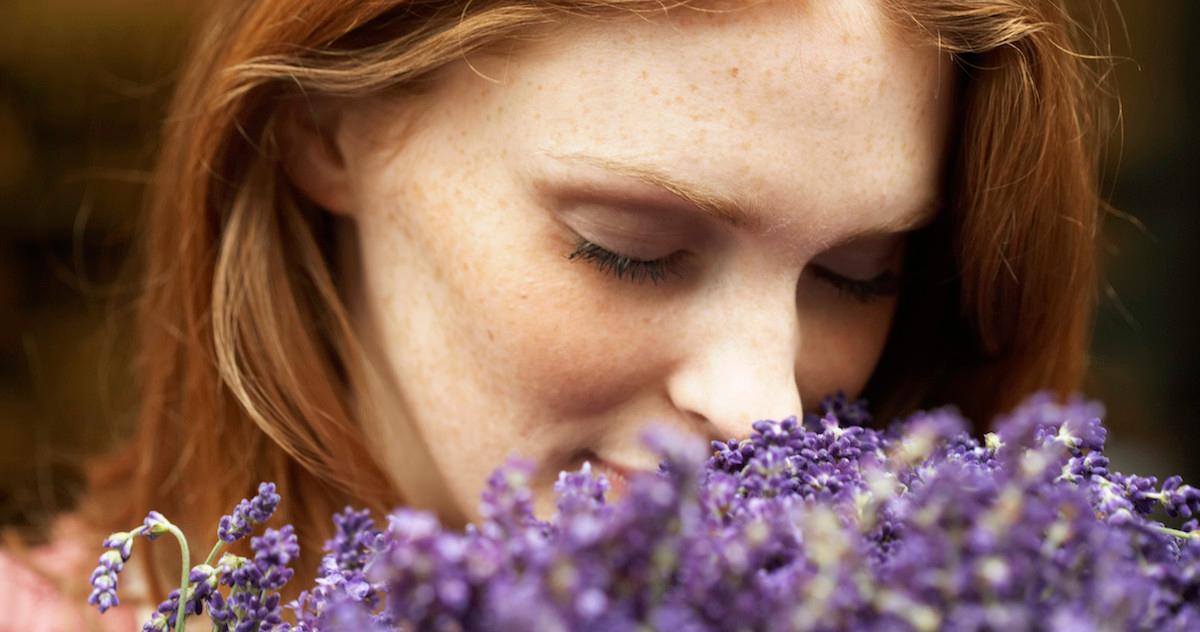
(731, 210)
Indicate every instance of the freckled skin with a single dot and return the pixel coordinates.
(502, 346)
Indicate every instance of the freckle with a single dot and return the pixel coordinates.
(678, 99)
(491, 335)
(645, 75)
(654, 91)
(692, 87)
(733, 72)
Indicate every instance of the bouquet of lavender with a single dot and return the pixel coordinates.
(820, 524)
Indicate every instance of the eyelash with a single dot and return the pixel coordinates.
(882, 286)
(886, 284)
(619, 265)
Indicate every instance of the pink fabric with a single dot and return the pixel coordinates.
(46, 588)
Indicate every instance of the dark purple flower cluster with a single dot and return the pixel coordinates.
(813, 524)
(248, 514)
(251, 601)
(820, 524)
(119, 547)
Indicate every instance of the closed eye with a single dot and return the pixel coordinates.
(655, 270)
(863, 290)
(638, 270)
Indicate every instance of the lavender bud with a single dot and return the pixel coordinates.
(155, 525)
(273, 552)
(248, 514)
(110, 564)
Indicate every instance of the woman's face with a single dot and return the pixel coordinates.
(771, 157)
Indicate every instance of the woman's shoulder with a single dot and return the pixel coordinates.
(46, 587)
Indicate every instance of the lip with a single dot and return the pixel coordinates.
(620, 470)
(618, 478)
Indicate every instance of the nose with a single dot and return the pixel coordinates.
(744, 371)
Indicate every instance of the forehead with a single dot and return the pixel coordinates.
(820, 113)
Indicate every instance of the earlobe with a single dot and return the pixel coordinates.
(312, 158)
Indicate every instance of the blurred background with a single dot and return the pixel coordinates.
(83, 88)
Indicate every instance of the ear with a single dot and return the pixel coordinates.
(312, 157)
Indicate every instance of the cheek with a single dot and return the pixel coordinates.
(522, 330)
(571, 345)
(840, 346)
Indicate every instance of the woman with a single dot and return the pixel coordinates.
(391, 243)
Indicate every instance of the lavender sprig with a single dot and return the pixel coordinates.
(250, 605)
(820, 524)
(814, 524)
(248, 514)
(112, 561)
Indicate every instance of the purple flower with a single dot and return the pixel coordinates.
(824, 523)
(203, 579)
(922, 526)
(274, 551)
(104, 578)
(155, 525)
(252, 603)
(248, 514)
(1179, 499)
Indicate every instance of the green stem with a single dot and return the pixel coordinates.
(215, 550)
(180, 616)
(1176, 532)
